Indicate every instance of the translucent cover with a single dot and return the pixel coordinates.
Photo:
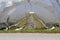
(46, 10)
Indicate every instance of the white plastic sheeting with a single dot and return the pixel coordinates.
(46, 10)
(9, 3)
(57, 8)
(7, 7)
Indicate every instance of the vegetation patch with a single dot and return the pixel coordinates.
(31, 31)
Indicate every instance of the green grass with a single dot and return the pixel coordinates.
(31, 31)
